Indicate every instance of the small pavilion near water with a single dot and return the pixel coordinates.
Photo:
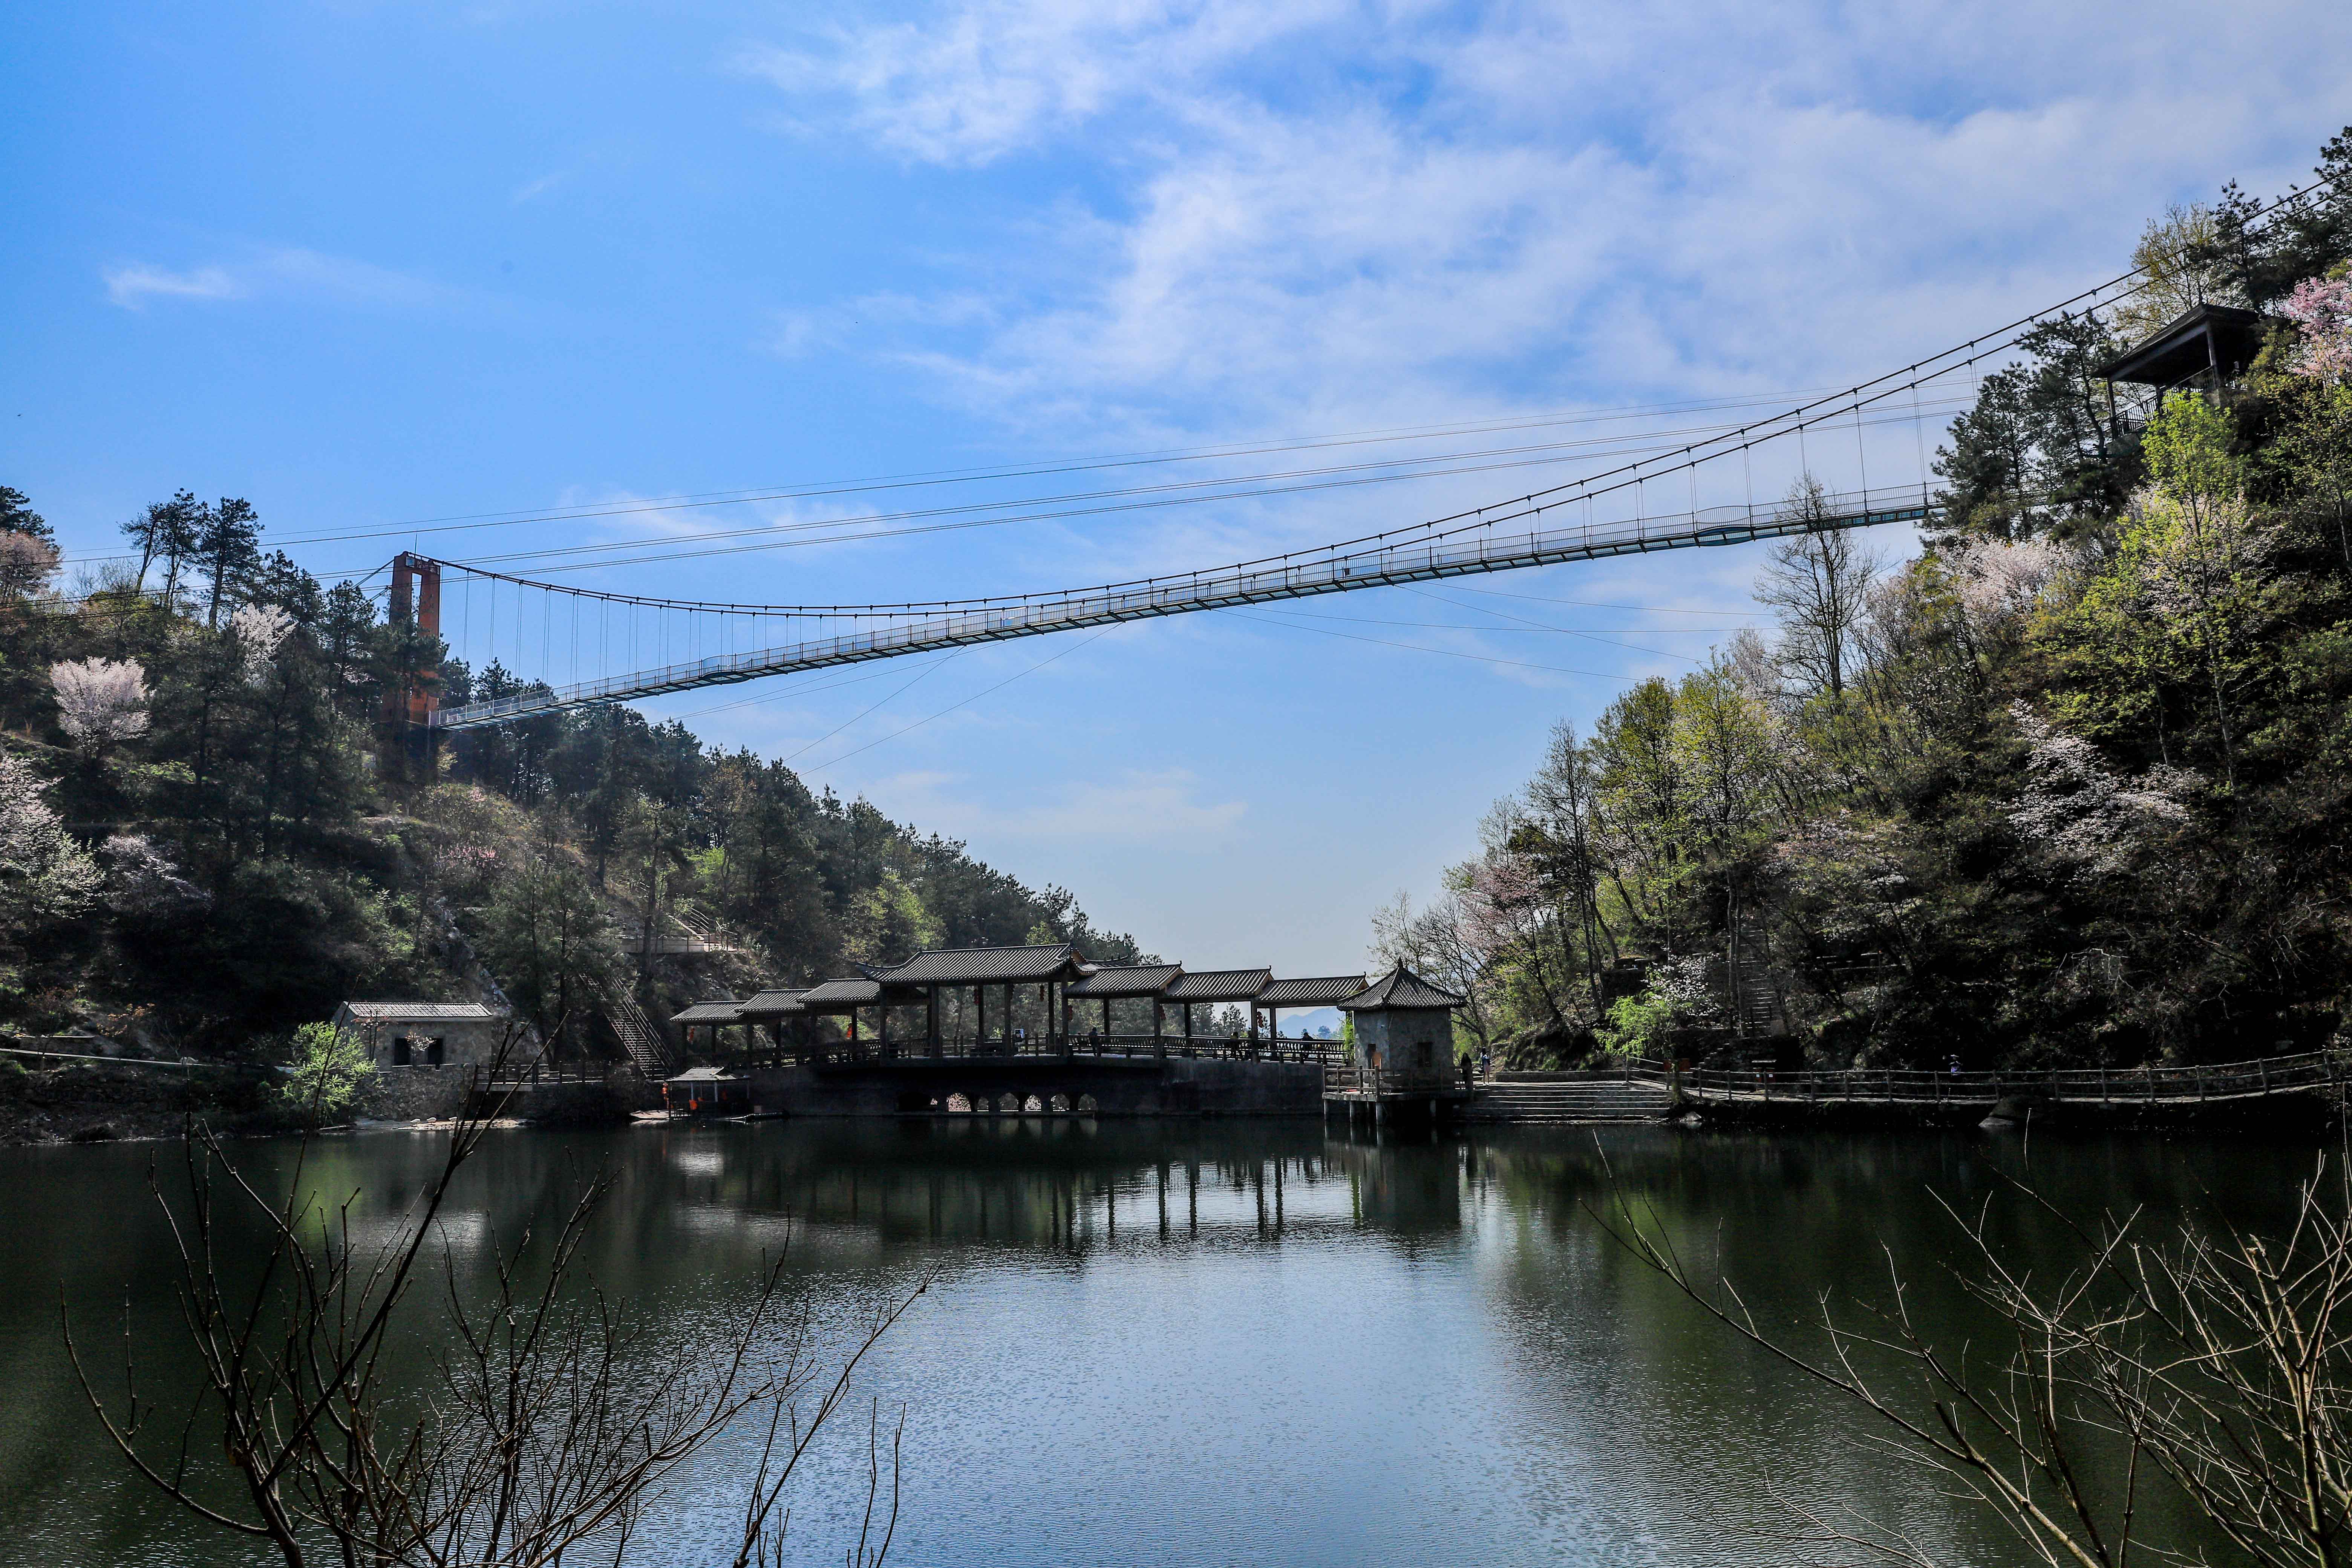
(1404, 1027)
(1043, 998)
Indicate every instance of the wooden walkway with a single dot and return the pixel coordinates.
(2312, 1072)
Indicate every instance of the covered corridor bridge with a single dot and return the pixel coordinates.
(1043, 1000)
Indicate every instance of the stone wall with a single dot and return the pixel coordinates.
(1140, 1087)
(1398, 1034)
(415, 1094)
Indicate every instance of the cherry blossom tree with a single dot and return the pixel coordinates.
(100, 701)
(1998, 581)
(260, 630)
(142, 881)
(44, 874)
(2081, 813)
(27, 564)
(2323, 306)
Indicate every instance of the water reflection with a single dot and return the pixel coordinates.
(1189, 1343)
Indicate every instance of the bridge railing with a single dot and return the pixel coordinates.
(2215, 1081)
(1492, 551)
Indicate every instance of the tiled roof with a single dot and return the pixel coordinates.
(1218, 986)
(1318, 993)
(1400, 987)
(702, 1075)
(770, 1005)
(841, 994)
(985, 966)
(1112, 981)
(381, 1012)
(711, 1012)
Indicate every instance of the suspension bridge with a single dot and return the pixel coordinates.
(567, 639)
(1232, 587)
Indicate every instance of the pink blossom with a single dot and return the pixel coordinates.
(2324, 308)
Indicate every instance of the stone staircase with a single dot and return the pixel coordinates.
(639, 1038)
(1603, 1096)
(1757, 1011)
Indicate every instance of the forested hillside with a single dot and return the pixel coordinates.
(208, 835)
(2069, 786)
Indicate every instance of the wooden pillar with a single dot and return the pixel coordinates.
(1106, 1007)
(931, 1019)
(979, 1019)
(1008, 1017)
(882, 1022)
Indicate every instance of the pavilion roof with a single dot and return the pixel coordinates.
(421, 1012)
(839, 996)
(2204, 334)
(1325, 992)
(770, 1005)
(1400, 987)
(1218, 986)
(987, 965)
(711, 1012)
(1109, 982)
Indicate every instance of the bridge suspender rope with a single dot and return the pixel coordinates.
(1384, 566)
(1460, 544)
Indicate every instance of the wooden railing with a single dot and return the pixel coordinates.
(495, 1076)
(2266, 1074)
(1091, 1046)
(1367, 1083)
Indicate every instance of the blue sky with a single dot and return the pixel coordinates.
(367, 263)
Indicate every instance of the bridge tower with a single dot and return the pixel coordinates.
(410, 703)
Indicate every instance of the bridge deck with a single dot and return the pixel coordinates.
(1222, 588)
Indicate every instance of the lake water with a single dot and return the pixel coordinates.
(1179, 1343)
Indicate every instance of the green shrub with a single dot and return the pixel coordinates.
(329, 1068)
(1637, 1025)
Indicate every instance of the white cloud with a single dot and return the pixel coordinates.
(532, 190)
(131, 287)
(283, 272)
(1331, 213)
(970, 84)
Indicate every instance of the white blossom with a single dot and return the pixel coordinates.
(260, 630)
(44, 874)
(142, 881)
(1996, 580)
(100, 700)
(2080, 811)
(1685, 983)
